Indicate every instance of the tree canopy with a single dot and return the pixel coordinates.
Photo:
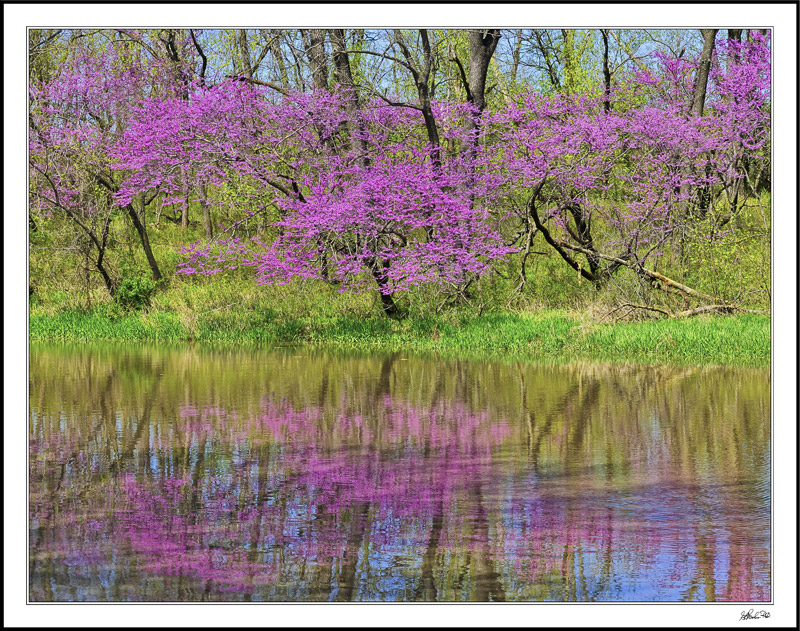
(398, 159)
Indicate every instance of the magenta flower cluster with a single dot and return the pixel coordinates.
(361, 189)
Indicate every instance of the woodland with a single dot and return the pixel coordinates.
(623, 174)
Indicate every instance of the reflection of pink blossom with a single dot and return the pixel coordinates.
(245, 500)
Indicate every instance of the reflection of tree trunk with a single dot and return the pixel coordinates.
(737, 571)
(320, 571)
(427, 588)
(144, 419)
(607, 562)
(359, 517)
(323, 388)
(557, 412)
(145, 455)
(347, 575)
(487, 580)
(706, 562)
(581, 417)
(567, 564)
(438, 389)
(384, 378)
(258, 502)
(196, 477)
(127, 451)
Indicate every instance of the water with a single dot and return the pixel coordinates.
(201, 474)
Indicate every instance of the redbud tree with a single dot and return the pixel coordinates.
(609, 187)
(77, 118)
(392, 196)
(363, 198)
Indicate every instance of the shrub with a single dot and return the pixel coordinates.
(135, 292)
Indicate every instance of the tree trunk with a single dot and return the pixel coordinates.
(344, 77)
(341, 61)
(606, 72)
(570, 63)
(701, 79)
(516, 56)
(141, 230)
(140, 224)
(378, 272)
(207, 223)
(695, 109)
(171, 44)
(104, 273)
(101, 252)
(244, 52)
(481, 49)
(389, 305)
(314, 43)
(421, 78)
(185, 213)
(544, 51)
(560, 246)
(482, 45)
(275, 47)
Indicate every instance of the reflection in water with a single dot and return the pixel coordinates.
(296, 475)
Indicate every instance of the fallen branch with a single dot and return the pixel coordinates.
(717, 309)
(630, 305)
(688, 313)
(223, 307)
(654, 278)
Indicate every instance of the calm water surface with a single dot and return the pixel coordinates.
(194, 473)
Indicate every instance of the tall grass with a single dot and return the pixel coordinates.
(542, 336)
(721, 339)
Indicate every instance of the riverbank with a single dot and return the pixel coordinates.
(742, 339)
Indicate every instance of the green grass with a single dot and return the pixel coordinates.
(542, 336)
(743, 339)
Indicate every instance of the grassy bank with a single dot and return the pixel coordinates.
(555, 316)
(543, 335)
